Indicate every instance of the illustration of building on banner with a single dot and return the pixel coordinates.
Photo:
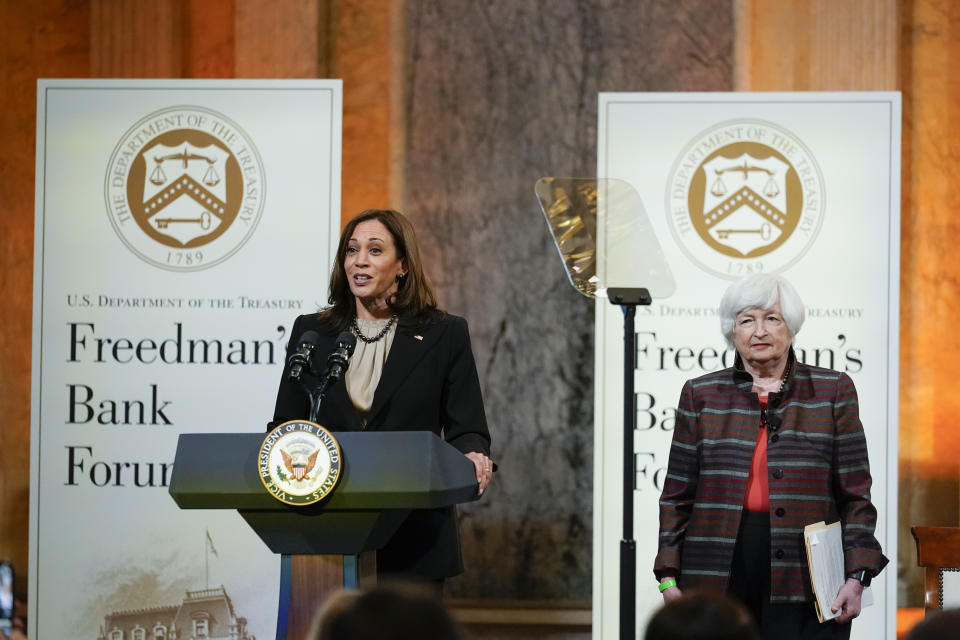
(206, 614)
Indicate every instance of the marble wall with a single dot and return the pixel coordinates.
(499, 94)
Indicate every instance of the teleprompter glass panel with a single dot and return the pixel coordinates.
(603, 235)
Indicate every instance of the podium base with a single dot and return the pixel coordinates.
(306, 581)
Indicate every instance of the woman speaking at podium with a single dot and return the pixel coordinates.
(412, 368)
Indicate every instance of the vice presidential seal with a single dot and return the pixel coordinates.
(745, 196)
(299, 462)
(185, 188)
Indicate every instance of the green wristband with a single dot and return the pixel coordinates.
(666, 584)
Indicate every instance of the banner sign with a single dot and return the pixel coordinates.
(181, 226)
(804, 184)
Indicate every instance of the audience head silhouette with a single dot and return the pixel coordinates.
(937, 625)
(702, 615)
(389, 612)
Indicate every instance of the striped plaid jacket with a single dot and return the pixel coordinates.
(817, 461)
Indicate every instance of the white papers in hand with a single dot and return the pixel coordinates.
(825, 558)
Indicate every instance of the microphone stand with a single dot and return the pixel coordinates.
(317, 395)
(628, 300)
(337, 363)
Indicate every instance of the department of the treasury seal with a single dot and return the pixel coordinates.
(745, 196)
(299, 462)
(185, 188)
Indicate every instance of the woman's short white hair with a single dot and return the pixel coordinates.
(760, 291)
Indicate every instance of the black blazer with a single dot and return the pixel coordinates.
(429, 382)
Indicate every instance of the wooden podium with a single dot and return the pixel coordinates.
(384, 476)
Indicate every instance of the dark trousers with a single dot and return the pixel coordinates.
(750, 583)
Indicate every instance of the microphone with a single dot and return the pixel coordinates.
(300, 359)
(339, 358)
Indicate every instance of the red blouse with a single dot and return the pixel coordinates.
(758, 488)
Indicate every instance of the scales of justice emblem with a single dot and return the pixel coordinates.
(745, 196)
(185, 195)
(744, 211)
(185, 188)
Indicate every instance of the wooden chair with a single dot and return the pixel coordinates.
(938, 552)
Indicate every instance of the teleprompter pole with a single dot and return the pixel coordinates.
(628, 300)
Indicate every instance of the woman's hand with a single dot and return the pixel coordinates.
(848, 599)
(484, 469)
(671, 593)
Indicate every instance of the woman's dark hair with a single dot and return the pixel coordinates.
(414, 301)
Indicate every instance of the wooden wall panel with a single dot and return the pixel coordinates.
(135, 39)
(47, 38)
(208, 39)
(367, 54)
(280, 39)
(358, 41)
(930, 264)
(930, 277)
(816, 45)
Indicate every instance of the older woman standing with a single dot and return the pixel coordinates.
(412, 368)
(761, 450)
